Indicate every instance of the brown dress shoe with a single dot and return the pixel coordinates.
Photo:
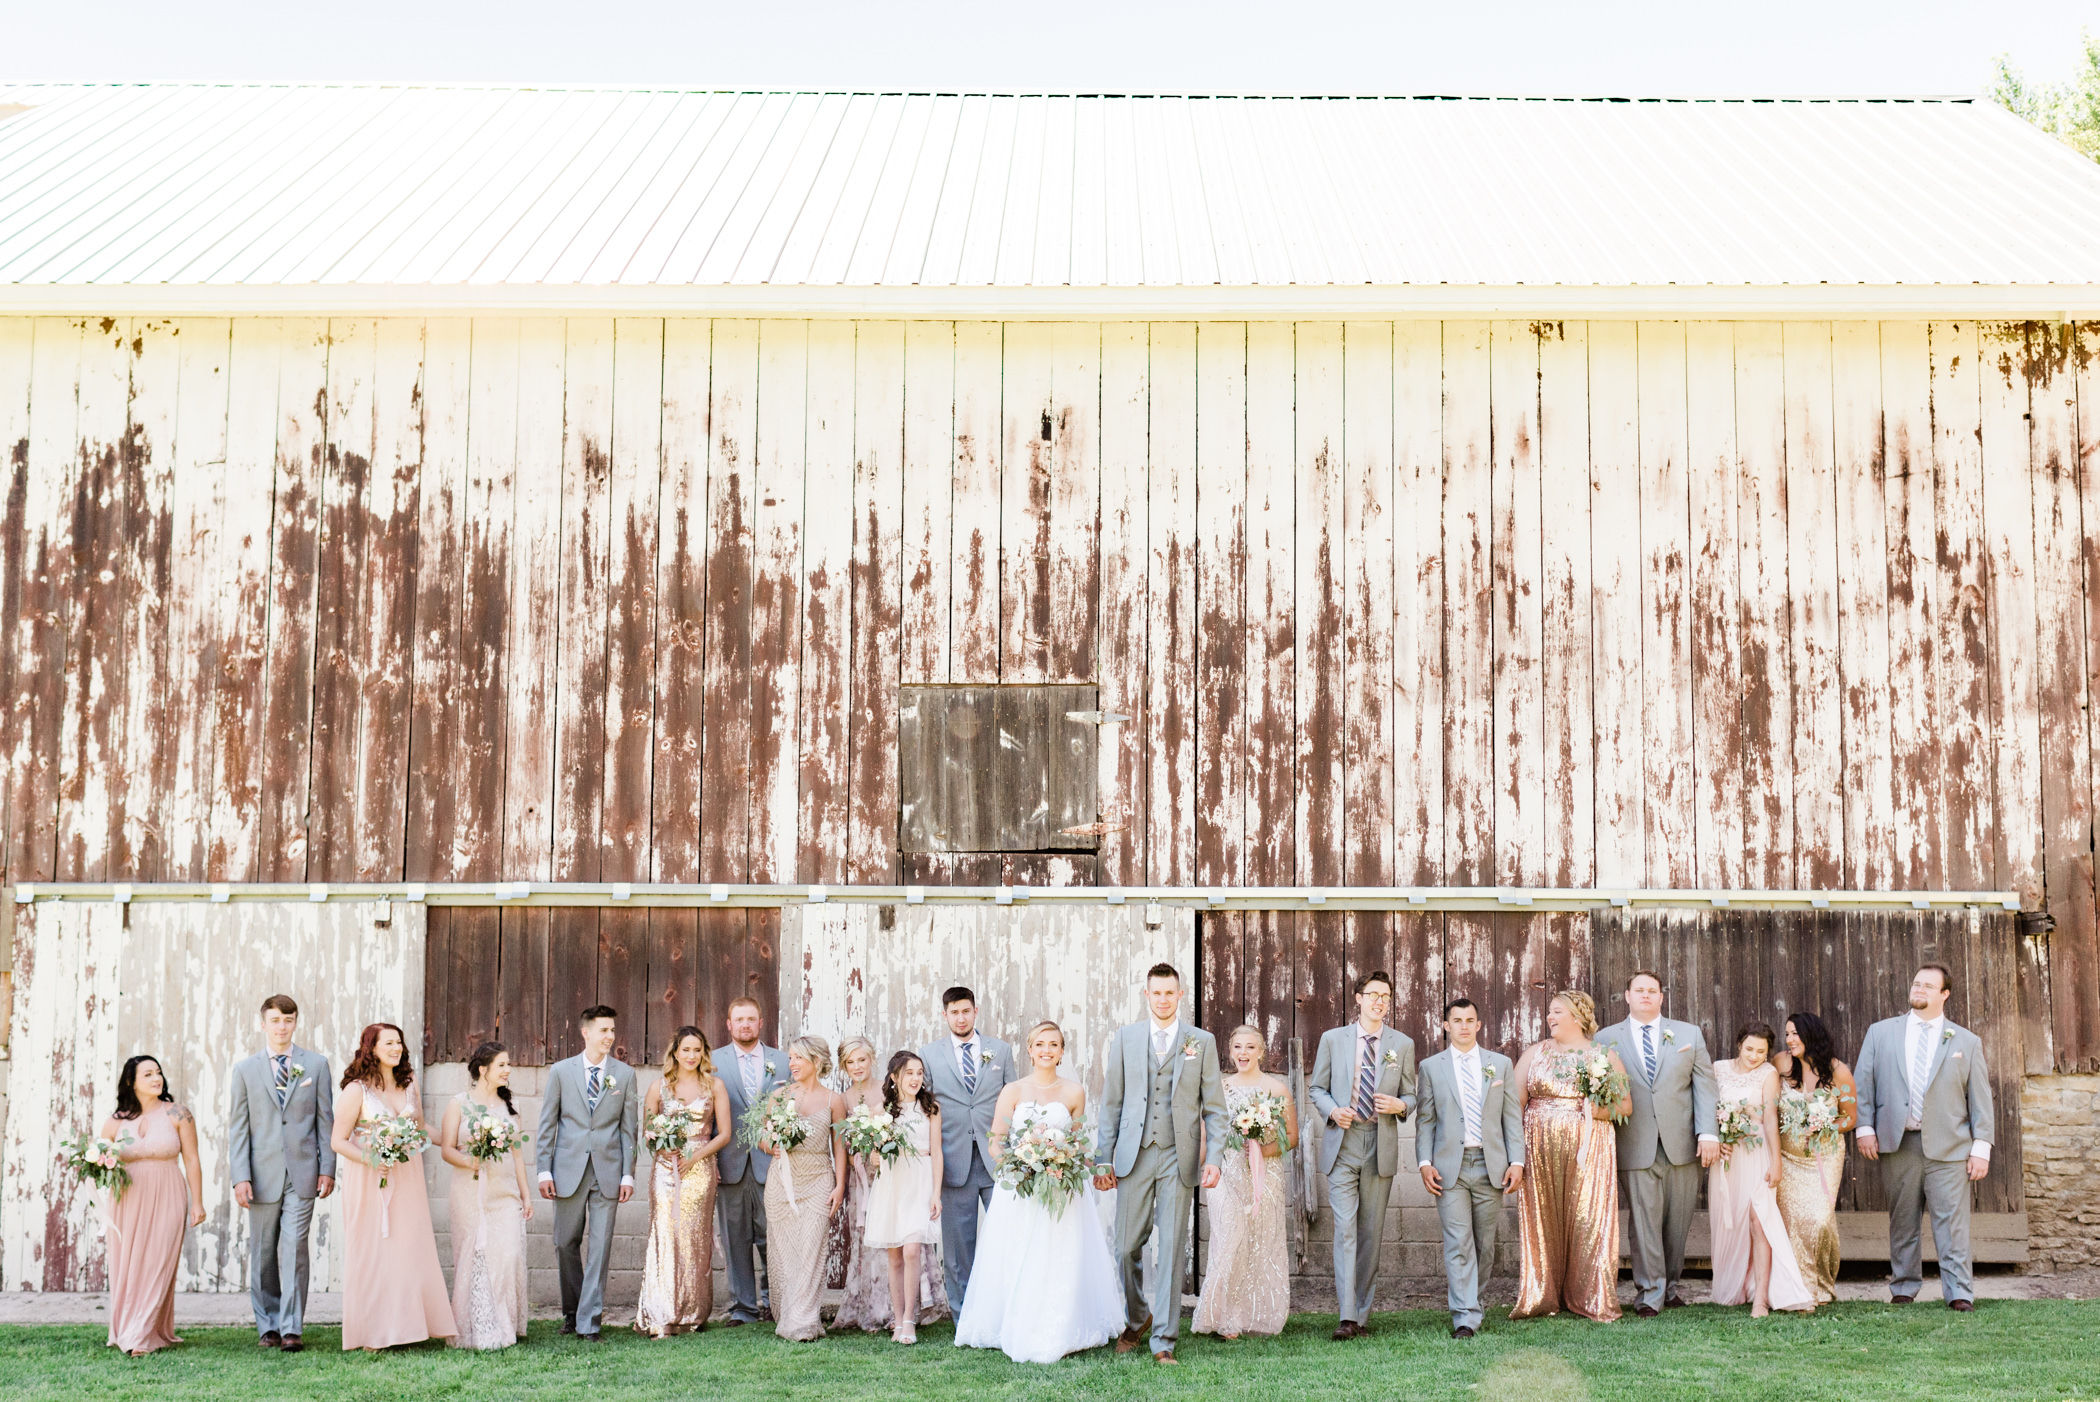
(1646, 1311)
(1963, 1305)
(1673, 1301)
(1346, 1330)
(1166, 1357)
(1901, 1299)
(1129, 1339)
(1461, 1332)
(291, 1344)
(269, 1340)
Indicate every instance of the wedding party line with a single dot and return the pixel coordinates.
(961, 1177)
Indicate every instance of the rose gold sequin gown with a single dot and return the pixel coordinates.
(1246, 1282)
(1808, 1192)
(678, 1266)
(1569, 1208)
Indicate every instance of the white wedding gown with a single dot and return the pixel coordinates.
(1042, 1286)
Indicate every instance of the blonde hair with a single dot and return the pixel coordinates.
(1261, 1039)
(846, 1050)
(1582, 1006)
(1046, 1023)
(671, 1068)
(815, 1050)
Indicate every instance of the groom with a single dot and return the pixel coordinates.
(278, 1152)
(1162, 1102)
(1925, 1116)
(966, 1070)
(1671, 1079)
(588, 1122)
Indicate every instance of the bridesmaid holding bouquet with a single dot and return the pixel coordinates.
(864, 1303)
(1247, 1287)
(904, 1202)
(1817, 1087)
(1569, 1204)
(690, 1105)
(491, 1203)
(804, 1187)
(163, 1201)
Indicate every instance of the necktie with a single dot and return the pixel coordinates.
(1648, 1049)
(283, 1085)
(1159, 1042)
(1469, 1096)
(1366, 1076)
(968, 1052)
(596, 1088)
(1920, 1067)
(747, 1066)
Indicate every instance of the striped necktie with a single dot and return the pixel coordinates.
(1920, 1072)
(968, 1052)
(1469, 1096)
(282, 1088)
(1367, 1076)
(594, 1089)
(1648, 1050)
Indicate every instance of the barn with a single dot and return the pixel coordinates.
(471, 552)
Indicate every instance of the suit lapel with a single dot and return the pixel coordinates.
(1939, 1053)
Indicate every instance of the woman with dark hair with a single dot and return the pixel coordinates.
(678, 1265)
(393, 1286)
(904, 1200)
(490, 1206)
(1752, 1262)
(1810, 1170)
(147, 1222)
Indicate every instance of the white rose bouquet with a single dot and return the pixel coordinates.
(490, 1138)
(1602, 1084)
(876, 1136)
(1814, 1115)
(100, 1161)
(1258, 1120)
(1739, 1122)
(1046, 1164)
(671, 1131)
(394, 1141)
(774, 1120)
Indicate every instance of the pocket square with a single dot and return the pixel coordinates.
(1954, 1054)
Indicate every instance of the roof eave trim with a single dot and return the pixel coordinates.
(1758, 303)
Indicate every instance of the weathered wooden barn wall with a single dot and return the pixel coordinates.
(879, 971)
(99, 982)
(1667, 604)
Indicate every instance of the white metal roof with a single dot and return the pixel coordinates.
(239, 195)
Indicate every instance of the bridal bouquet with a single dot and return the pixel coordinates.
(876, 1135)
(670, 1131)
(1599, 1082)
(1046, 1163)
(394, 1140)
(489, 1138)
(1740, 1123)
(100, 1161)
(1814, 1115)
(1258, 1120)
(774, 1120)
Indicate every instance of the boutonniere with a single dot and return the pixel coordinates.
(1668, 1036)
(1489, 1078)
(771, 1069)
(1392, 1058)
(1190, 1046)
(984, 1058)
(1947, 1036)
(292, 1073)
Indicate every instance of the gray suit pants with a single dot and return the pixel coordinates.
(1915, 1184)
(277, 1255)
(1659, 1203)
(1358, 1193)
(1152, 1204)
(1469, 1210)
(583, 1232)
(741, 1209)
(959, 1210)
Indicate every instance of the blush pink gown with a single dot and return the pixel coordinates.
(393, 1286)
(145, 1234)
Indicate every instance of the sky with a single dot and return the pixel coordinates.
(1615, 47)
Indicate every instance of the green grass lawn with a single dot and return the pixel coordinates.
(1854, 1352)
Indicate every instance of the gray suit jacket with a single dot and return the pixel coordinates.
(966, 1119)
(1334, 1084)
(266, 1142)
(573, 1134)
(1440, 1116)
(1673, 1113)
(736, 1156)
(1198, 1094)
(1957, 1090)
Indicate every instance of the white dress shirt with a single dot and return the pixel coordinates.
(1465, 1068)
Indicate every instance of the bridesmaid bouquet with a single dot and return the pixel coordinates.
(488, 1139)
(775, 1120)
(671, 1131)
(1258, 1120)
(100, 1161)
(1740, 1123)
(875, 1135)
(1813, 1115)
(1047, 1164)
(1599, 1082)
(395, 1140)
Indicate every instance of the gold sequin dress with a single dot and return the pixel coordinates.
(798, 1228)
(678, 1265)
(1569, 1207)
(1808, 1193)
(1246, 1280)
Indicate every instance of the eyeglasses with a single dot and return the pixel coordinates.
(1376, 997)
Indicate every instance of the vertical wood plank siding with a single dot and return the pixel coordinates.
(1684, 604)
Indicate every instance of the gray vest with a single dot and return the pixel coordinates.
(1159, 1106)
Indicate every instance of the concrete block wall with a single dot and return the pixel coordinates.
(2060, 1125)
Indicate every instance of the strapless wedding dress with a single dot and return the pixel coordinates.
(1042, 1286)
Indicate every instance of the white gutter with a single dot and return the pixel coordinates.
(1298, 898)
(1821, 302)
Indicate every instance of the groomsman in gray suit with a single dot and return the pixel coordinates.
(750, 1071)
(1363, 1085)
(1672, 1082)
(1469, 1135)
(590, 1115)
(1925, 1116)
(278, 1154)
(966, 1070)
(1163, 1103)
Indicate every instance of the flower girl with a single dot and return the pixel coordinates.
(904, 1202)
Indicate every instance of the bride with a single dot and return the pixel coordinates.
(1043, 1286)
